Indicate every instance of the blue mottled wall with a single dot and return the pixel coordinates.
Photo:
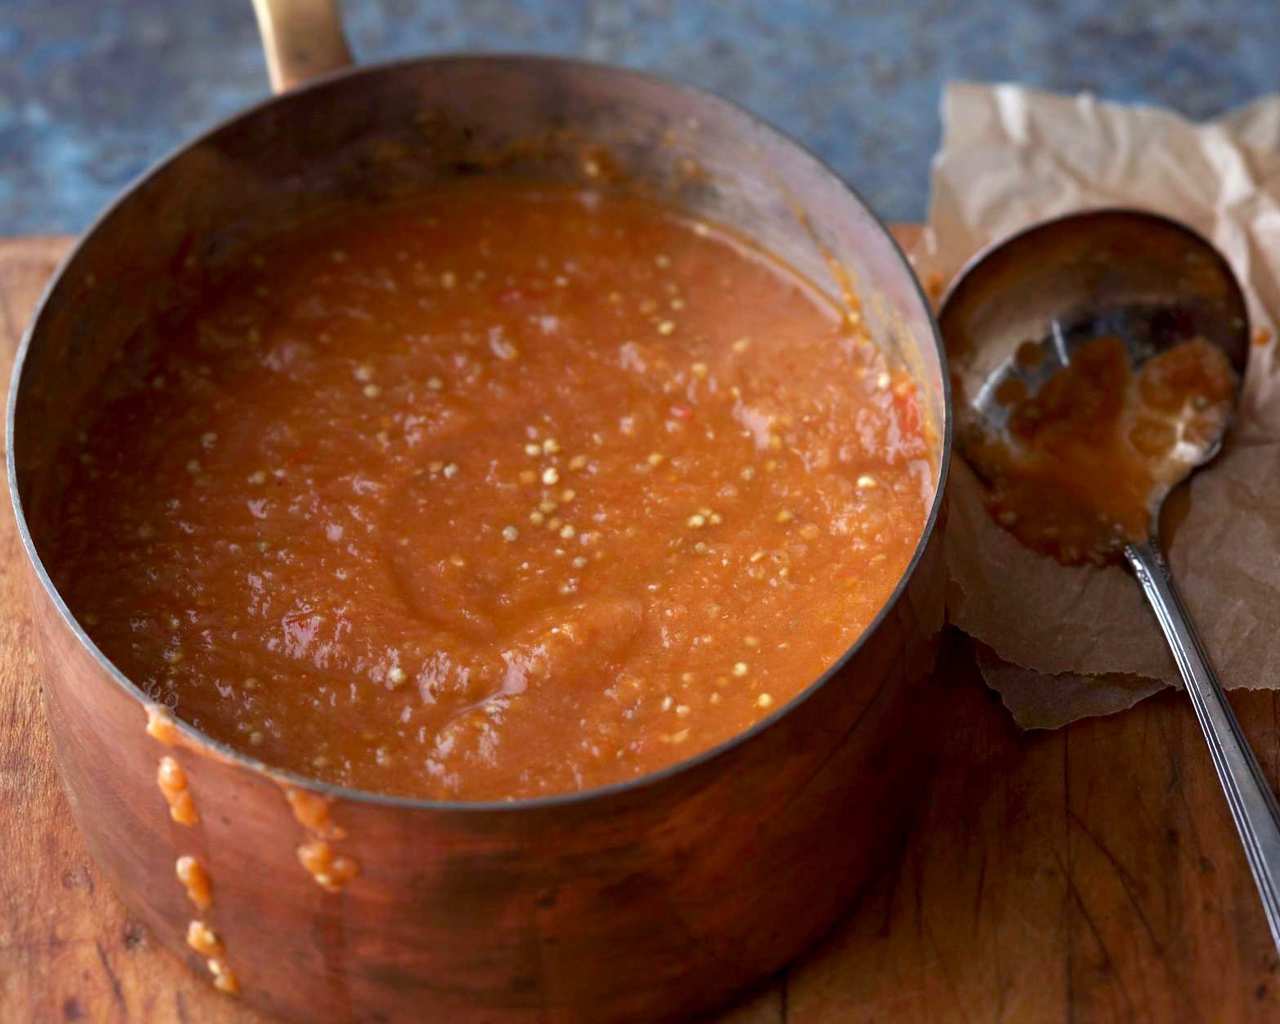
(92, 91)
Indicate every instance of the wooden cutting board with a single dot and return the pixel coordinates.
(1087, 874)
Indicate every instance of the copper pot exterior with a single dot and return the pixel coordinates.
(648, 901)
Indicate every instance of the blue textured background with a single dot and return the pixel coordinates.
(92, 91)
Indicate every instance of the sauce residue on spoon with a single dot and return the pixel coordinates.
(1089, 455)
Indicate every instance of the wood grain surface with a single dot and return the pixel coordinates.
(1087, 874)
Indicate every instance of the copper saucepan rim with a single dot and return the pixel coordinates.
(239, 758)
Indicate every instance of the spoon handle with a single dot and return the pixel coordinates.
(1253, 806)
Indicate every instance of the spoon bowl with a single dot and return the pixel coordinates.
(1023, 325)
(1018, 312)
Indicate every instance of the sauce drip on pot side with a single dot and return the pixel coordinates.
(513, 490)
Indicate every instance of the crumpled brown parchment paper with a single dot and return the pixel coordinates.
(1060, 644)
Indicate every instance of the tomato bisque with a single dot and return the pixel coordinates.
(508, 491)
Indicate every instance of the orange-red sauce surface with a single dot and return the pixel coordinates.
(510, 491)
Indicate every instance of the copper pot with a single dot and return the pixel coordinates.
(648, 900)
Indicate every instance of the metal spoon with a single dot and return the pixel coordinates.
(1153, 283)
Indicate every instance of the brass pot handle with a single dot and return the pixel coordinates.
(302, 39)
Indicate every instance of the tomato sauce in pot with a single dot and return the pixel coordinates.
(508, 491)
